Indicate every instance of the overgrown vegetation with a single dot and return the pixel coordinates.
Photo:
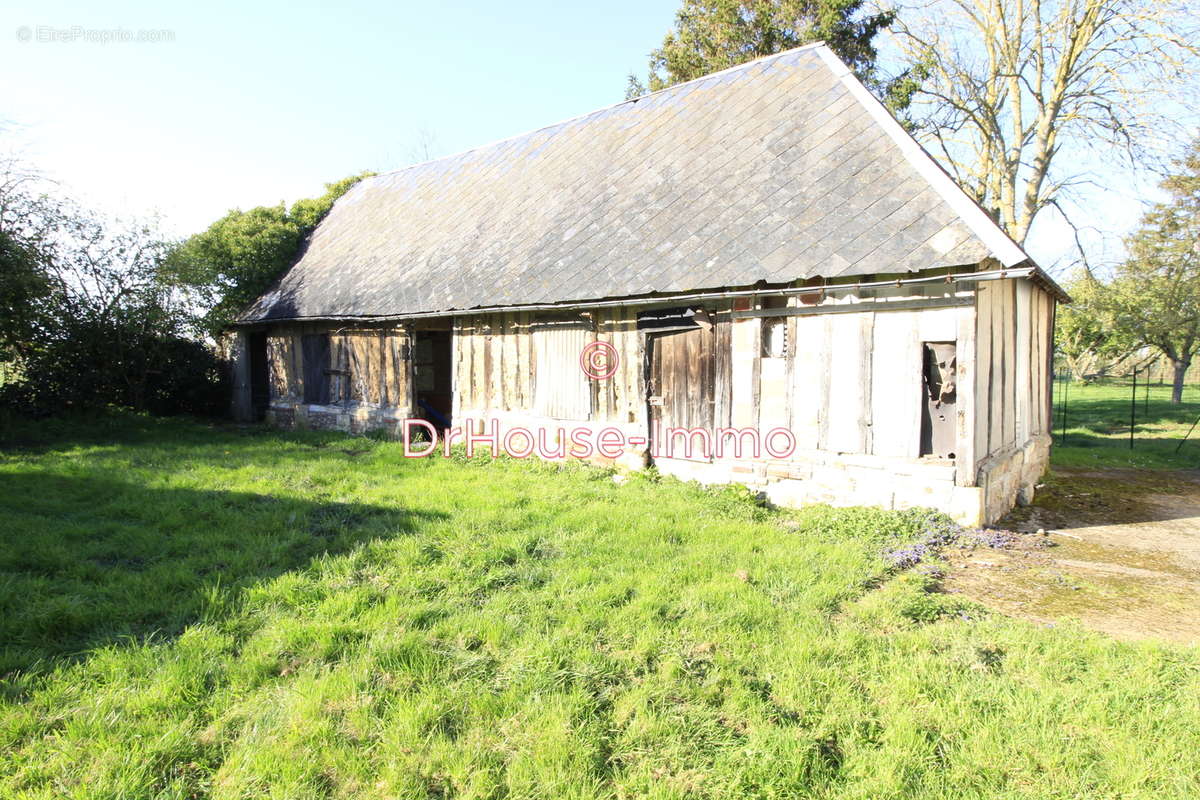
(199, 611)
(240, 255)
(100, 312)
(88, 319)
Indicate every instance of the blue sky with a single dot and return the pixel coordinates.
(250, 104)
(257, 103)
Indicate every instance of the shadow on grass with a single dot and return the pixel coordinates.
(165, 435)
(88, 561)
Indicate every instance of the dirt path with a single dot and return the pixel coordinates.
(1120, 553)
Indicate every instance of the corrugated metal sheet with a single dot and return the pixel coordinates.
(775, 170)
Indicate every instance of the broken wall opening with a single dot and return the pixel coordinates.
(939, 410)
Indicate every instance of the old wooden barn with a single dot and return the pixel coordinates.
(762, 249)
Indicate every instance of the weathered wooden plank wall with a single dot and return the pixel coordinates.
(744, 372)
(1014, 325)
(896, 395)
(849, 366)
(1023, 357)
(849, 382)
(496, 365)
(810, 381)
(1043, 353)
(856, 378)
(967, 397)
(841, 384)
(561, 389)
(621, 398)
(284, 364)
(366, 365)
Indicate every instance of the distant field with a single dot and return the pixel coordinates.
(198, 611)
(1098, 417)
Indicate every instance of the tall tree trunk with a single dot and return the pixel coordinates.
(1181, 368)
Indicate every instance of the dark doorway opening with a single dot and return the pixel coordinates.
(432, 376)
(260, 376)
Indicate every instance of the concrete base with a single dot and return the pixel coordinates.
(839, 480)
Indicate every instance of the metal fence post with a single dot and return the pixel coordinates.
(1062, 438)
(1133, 409)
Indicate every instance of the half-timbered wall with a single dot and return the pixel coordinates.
(1014, 340)
(846, 374)
(851, 378)
(850, 388)
(362, 378)
(496, 363)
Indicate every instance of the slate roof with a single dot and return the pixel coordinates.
(775, 170)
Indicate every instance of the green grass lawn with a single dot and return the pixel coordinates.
(1097, 426)
(204, 611)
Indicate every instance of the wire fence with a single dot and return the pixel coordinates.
(1136, 403)
(1158, 372)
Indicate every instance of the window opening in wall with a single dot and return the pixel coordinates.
(774, 330)
(939, 411)
(664, 319)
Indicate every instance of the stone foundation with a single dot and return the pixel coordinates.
(351, 419)
(1009, 477)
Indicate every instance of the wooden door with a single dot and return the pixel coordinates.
(688, 383)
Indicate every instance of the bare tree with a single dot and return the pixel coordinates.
(424, 145)
(1017, 91)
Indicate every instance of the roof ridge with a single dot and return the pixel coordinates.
(630, 101)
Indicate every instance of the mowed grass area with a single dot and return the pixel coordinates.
(205, 611)
(1097, 426)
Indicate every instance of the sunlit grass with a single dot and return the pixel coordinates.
(199, 611)
(1098, 417)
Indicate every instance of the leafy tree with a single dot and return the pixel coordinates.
(1083, 337)
(103, 328)
(24, 286)
(711, 35)
(227, 266)
(24, 282)
(1155, 295)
